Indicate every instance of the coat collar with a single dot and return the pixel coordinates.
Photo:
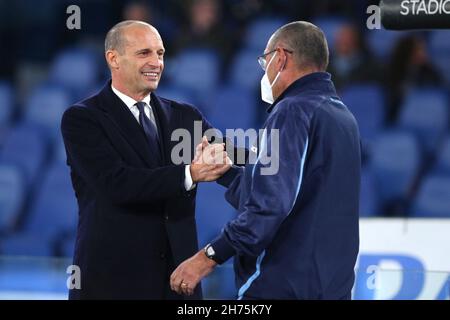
(314, 81)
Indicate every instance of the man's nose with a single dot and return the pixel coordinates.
(153, 60)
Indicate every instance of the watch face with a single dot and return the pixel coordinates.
(210, 251)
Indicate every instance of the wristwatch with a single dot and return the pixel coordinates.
(209, 252)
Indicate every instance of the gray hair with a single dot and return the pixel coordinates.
(307, 42)
(115, 39)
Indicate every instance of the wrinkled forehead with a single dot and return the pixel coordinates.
(142, 35)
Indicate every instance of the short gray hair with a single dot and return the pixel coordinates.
(115, 39)
(307, 42)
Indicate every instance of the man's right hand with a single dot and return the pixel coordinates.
(210, 162)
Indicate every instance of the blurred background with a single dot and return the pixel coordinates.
(397, 84)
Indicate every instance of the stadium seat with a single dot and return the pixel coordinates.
(67, 245)
(6, 103)
(26, 148)
(233, 108)
(196, 70)
(45, 108)
(366, 102)
(12, 196)
(53, 215)
(440, 51)
(259, 31)
(55, 209)
(245, 71)
(433, 199)
(381, 42)
(330, 25)
(395, 164)
(368, 206)
(439, 41)
(176, 94)
(59, 151)
(19, 244)
(77, 70)
(425, 114)
(442, 165)
(212, 212)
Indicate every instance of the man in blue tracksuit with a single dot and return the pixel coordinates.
(297, 235)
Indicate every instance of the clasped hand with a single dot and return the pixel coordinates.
(210, 162)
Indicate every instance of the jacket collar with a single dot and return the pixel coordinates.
(314, 81)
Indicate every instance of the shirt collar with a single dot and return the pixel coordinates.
(129, 102)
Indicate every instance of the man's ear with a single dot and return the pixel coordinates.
(112, 59)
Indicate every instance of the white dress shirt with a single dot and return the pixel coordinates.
(131, 104)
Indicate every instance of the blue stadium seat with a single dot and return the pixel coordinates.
(26, 148)
(55, 210)
(177, 94)
(12, 196)
(212, 211)
(381, 42)
(196, 70)
(245, 70)
(366, 102)
(233, 108)
(368, 204)
(433, 199)
(53, 215)
(330, 25)
(395, 164)
(59, 151)
(45, 108)
(6, 103)
(425, 114)
(68, 246)
(440, 51)
(443, 158)
(259, 31)
(26, 245)
(77, 70)
(439, 41)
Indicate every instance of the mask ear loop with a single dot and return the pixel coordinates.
(284, 64)
(279, 72)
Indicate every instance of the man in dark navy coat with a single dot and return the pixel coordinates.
(136, 207)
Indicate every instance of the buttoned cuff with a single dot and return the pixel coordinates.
(228, 177)
(222, 248)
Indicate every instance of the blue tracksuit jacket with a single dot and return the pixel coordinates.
(297, 236)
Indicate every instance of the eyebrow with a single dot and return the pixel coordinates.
(148, 50)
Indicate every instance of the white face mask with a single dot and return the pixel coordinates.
(266, 87)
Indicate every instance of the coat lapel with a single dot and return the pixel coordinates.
(122, 117)
(168, 120)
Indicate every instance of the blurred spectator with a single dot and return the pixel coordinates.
(244, 10)
(137, 10)
(409, 67)
(351, 62)
(205, 29)
(144, 11)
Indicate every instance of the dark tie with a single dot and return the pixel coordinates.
(149, 128)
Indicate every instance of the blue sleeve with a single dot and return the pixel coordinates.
(232, 181)
(273, 189)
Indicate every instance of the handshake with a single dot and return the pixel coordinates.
(210, 162)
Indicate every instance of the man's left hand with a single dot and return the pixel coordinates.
(189, 273)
